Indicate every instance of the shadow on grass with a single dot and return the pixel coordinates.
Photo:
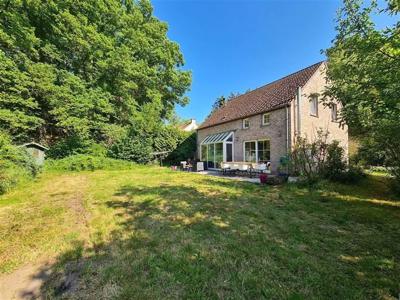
(225, 239)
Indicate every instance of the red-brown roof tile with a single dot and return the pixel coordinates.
(271, 96)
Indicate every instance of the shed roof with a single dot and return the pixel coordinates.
(35, 145)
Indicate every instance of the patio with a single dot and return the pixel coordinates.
(220, 174)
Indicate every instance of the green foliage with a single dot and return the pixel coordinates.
(84, 162)
(319, 159)
(370, 153)
(86, 68)
(219, 102)
(16, 164)
(364, 75)
(132, 148)
(75, 144)
(185, 148)
(334, 165)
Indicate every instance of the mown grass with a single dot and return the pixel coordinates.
(154, 233)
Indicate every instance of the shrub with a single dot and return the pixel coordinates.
(185, 148)
(132, 148)
(319, 159)
(83, 162)
(11, 174)
(334, 164)
(16, 164)
(72, 145)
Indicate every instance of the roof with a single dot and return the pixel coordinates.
(35, 145)
(274, 95)
(185, 124)
(217, 138)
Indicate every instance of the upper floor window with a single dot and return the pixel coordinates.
(246, 123)
(334, 112)
(265, 119)
(314, 106)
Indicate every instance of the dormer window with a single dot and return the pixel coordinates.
(265, 119)
(246, 123)
(314, 106)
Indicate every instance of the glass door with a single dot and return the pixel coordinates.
(219, 155)
(228, 152)
(210, 159)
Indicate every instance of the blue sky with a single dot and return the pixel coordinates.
(232, 45)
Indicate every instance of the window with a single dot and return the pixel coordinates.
(263, 151)
(204, 152)
(257, 151)
(334, 112)
(265, 119)
(246, 123)
(250, 151)
(314, 106)
(217, 148)
(229, 152)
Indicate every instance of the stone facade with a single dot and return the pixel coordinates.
(275, 132)
(283, 127)
(309, 124)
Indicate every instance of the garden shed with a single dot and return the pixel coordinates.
(37, 151)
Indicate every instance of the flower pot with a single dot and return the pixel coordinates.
(263, 178)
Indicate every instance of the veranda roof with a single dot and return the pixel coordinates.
(217, 137)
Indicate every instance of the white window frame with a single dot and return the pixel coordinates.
(334, 112)
(256, 143)
(269, 119)
(314, 106)
(224, 142)
(244, 122)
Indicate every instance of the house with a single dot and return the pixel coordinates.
(190, 125)
(262, 125)
(36, 150)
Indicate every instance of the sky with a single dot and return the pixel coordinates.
(236, 45)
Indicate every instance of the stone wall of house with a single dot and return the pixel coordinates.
(311, 124)
(275, 132)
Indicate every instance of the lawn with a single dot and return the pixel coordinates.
(153, 233)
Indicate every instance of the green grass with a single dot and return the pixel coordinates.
(152, 233)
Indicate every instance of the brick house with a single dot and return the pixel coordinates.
(262, 125)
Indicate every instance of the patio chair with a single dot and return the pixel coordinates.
(243, 169)
(257, 169)
(184, 166)
(226, 169)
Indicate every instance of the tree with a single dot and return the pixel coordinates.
(364, 75)
(87, 68)
(219, 102)
(222, 100)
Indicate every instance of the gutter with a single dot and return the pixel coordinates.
(287, 129)
(298, 100)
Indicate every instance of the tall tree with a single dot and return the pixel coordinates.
(218, 103)
(85, 67)
(364, 74)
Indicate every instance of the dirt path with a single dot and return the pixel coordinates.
(26, 281)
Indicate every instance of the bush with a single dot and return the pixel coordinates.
(72, 145)
(83, 162)
(370, 153)
(16, 164)
(321, 160)
(334, 165)
(132, 148)
(185, 148)
(11, 175)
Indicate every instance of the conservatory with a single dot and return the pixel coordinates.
(217, 148)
